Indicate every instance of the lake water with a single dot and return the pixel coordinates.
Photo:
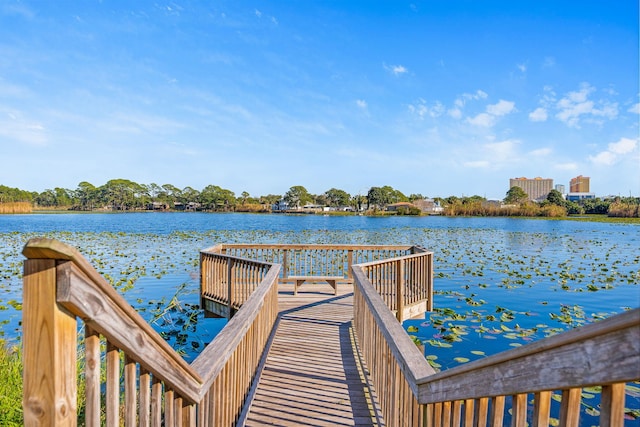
(500, 282)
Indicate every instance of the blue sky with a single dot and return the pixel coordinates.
(439, 97)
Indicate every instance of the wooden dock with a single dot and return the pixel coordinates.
(285, 359)
(313, 375)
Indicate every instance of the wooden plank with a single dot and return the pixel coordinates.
(312, 374)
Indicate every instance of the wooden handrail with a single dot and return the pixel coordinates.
(61, 286)
(605, 353)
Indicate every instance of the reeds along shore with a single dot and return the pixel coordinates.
(15, 208)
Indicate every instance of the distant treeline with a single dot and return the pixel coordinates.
(126, 195)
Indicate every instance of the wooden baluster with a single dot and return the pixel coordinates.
(113, 386)
(469, 411)
(612, 405)
(482, 411)
(145, 398)
(169, 409)
(130, 393)
(400, 266)
(92, 377)
(456, 418)
(519, 410)
(541, 409)
(570, 407)
(156, 403)
(497, 411)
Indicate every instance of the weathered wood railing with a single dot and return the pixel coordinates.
(403, 283)
(227, 282)
(315, 259)
(402, 274)
(159, 387)
(480, 393)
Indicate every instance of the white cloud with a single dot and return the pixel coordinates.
(634, 108)
(396, 70)
(577, 105)
(522, 67)
(493, 111)
(14, 126)
(501, 108)
(422, 110)
(615, 152)
(258, 13)
(456, 113)
(482, 119)
(538, 115)
(605, 158)
(501, 151)
(624, 146)
(361, 103)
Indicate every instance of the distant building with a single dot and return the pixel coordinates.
(561, 189)
(576, 197)
(428, 206)
(579, 184)
(395, 206)
(536, 188)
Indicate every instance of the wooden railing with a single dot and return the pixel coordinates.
(487, 391)
(403, 275)
(403, 283)
(315, 260)
(155, 386)
(227, 282)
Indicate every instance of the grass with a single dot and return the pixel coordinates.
(11, 385)
(15, 208)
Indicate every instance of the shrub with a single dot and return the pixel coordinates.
(10, 385)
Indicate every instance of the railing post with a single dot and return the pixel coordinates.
(349, 263)
(49, 357)
(230, 285)
(285, 263)
(400, 289)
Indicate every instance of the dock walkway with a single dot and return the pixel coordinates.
(313, 375)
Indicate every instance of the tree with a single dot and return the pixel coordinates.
(297, 196)
(555, 198)
(87, 196)
(516, 195)
(337, 197)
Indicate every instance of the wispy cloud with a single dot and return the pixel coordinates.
(635, 108)
(396, 70)
(421, 109)
(361, 103)
(492, 113)
(538, 115)
(14, 126)
(576, 106)
(494, 155)
(615, 152)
